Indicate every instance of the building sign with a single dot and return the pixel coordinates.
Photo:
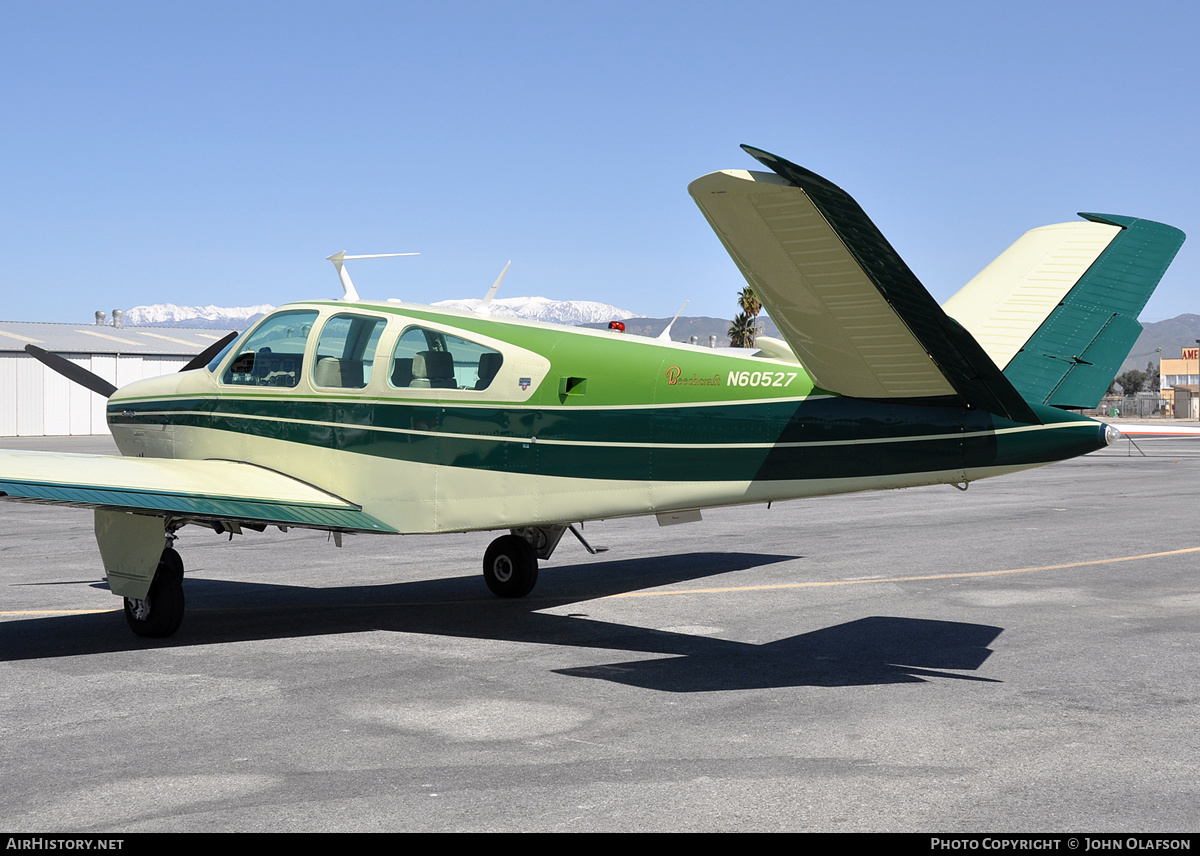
(1191, 353)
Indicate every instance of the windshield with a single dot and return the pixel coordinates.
(273, 355)
(216, 361)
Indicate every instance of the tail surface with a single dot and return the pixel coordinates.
(850, 309)
(1057, 311)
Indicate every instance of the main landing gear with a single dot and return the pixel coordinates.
(510, 565)
(510, 569)
(160, 612)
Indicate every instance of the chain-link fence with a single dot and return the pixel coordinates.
(1140, 406)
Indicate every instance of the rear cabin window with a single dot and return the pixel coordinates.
(346, 351)
(273, 355)
(430, 359)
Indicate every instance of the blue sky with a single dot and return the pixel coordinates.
(216, 153)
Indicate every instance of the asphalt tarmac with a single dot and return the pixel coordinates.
(1019, 657)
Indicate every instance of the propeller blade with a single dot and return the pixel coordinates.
(205, 357)
(70, 371)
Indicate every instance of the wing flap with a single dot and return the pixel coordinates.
(199, 490)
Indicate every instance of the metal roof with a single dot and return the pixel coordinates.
(94, 339)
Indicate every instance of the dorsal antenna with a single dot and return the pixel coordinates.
(339, 260)
(485, 307)
(665, 335)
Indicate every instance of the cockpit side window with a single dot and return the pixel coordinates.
(431, 359)
(273, 355)
(346, 351)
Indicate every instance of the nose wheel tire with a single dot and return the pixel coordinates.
(160, 612)
(510, 567)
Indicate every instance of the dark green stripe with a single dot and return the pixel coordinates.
(769, 422)
(492, 447)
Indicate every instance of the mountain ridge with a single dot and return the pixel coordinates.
(570, 312)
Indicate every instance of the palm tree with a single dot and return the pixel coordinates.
(743, 331)
(749, 302)
(745, 327)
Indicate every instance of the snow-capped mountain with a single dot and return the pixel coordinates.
(219, 317)
(238, 317)
(544, 309)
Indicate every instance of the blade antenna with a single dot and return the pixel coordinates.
(339, 260)
(485, 307)
(665, 335)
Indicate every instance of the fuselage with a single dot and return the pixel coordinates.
(438, 421)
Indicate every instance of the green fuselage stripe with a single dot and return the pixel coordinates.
(828, 437)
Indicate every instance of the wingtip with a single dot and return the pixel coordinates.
(760, 155)
(1125, 222)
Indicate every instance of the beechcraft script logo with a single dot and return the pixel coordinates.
(524, 383)
(675, 377)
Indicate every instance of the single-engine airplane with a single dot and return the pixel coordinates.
(359, 416)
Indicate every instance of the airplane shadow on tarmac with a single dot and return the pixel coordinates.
(875, 650)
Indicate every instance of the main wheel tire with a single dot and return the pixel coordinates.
(171, 560)
(159, 614)
(510, 566)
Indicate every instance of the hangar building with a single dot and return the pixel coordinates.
(36, 401)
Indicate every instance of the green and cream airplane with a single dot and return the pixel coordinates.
(359, 416)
